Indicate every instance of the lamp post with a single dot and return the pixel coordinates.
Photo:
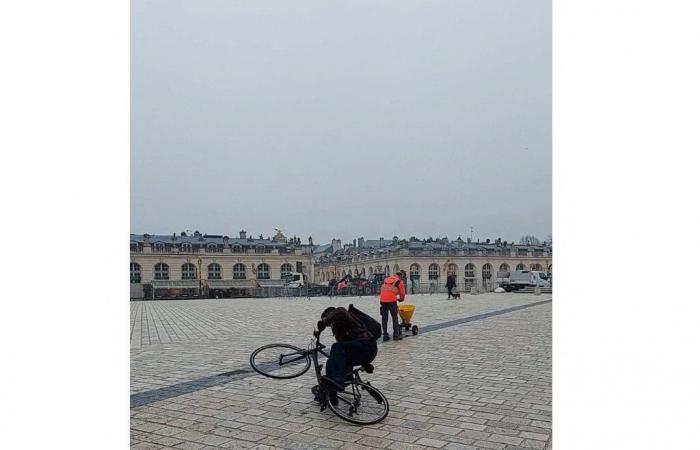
(199, 275)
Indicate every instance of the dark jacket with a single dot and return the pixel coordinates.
(451, 282)
(345, 327)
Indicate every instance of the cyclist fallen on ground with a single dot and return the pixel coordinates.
(355, 346)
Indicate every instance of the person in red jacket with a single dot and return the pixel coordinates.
(392, 287)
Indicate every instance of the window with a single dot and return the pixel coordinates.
(263, 271)
(189, 272)
(239, 271)
(520, 266)
(363, 274)
(414, 272)
(522, 252)
(535, 267)
(503, 271)
(371, 271)
(452, 269)
(211, 247)
(159, 247)
(214, 271)
(135, 247)
(486, 272)
(237, 249)
(396, 268)
(161, 271)
(386, 270)
(286, 269)
(469, 271)
(135, 273)
(433, 272)
(186, 247)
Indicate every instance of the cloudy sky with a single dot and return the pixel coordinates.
(341, 119)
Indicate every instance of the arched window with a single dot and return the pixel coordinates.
(186, 247)
(362, 273)
(536, 266)
(161, 271)
(433, 272)
(285, 270)
(386, 270)
(452, 269)
(211, 247)
(504, 268)
(189, 271)
(520, 266)
(239, 271)
(323, 276)
(214, 271)
(135, 273)
(263, 271)
(159, 247)
(379, 269)
(486, 271)
(371, 271)
(414, 272)
(396, 268)
(469, 271)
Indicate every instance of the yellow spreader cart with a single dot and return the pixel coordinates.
(406, 312)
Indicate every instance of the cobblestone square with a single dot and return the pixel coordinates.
(477, 375)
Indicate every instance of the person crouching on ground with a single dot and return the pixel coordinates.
(354, 346)
(393, 286)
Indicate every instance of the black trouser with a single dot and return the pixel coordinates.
(449, 291)
(346, 354)
(385, 309)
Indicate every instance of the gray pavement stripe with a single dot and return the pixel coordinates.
(176, 390)
(451, 323)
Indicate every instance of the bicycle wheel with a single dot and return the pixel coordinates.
(280, 361)
(361, 404)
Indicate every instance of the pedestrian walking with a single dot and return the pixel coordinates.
(451, 284)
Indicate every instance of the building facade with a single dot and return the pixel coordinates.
(427, 263)
(205, 265)
(196, 265)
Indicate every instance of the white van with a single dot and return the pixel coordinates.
(519, 279)
(296, 279)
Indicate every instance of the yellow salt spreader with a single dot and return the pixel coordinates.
(406, 312)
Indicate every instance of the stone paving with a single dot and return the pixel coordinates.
(483, 384)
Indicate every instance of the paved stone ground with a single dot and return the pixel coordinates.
(485, 383)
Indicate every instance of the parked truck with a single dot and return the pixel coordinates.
(519, 279)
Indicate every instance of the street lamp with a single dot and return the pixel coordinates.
(199, 275)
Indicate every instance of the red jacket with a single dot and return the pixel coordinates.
(392, 286)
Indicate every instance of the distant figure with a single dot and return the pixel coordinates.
(413, 286)
(451, 284)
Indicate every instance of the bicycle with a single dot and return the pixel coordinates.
(283, 361)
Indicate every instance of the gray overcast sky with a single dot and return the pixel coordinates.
(341, 119)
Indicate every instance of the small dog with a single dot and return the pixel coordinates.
(456, 295)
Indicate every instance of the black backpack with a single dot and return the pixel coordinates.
(372, 325)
